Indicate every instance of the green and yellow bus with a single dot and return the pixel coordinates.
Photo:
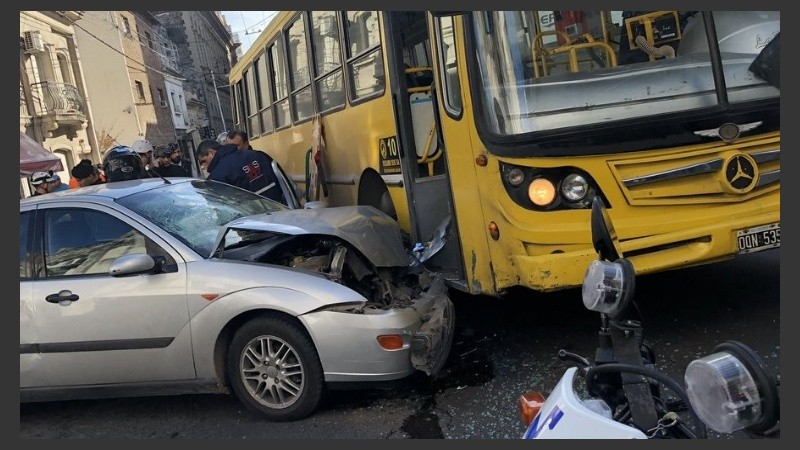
(486, 134)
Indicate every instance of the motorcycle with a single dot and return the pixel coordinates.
(619, 395)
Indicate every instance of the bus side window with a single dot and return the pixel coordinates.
(329, 81)
(364, 57)
(299, 73)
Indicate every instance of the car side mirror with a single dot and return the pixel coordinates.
(134, 264)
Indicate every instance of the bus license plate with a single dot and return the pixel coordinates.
(759, 238)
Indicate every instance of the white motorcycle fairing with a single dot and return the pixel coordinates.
(565, 416)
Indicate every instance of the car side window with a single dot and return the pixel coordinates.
(86, 242)
(24, 256)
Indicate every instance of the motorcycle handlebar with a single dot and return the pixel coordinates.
(649, 373)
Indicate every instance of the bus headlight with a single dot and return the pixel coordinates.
(730, 390)
(550, 188)
(515, 176)
(574, 187)
(608, 286)
(541, 191)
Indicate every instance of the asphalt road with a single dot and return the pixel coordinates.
(502, 348)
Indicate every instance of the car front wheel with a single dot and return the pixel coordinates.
(274, 369)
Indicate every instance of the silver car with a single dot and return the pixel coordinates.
(154, 286)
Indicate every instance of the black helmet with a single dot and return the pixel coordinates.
(121, 163)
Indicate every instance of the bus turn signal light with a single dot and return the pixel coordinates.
(529, 405)
(494, 231)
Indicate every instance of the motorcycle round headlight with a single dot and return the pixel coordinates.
(603, 286)
(730, 390)
(722, 392)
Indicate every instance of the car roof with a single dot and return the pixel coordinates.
(105, 191)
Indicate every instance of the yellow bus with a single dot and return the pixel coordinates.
(486, 134)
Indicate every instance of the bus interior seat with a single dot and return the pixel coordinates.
(422, 122)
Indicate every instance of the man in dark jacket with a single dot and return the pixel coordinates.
(163, 165)
(247, 169)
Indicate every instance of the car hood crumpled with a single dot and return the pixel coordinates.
(366, 228)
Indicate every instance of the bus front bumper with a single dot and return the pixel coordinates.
(655, 253)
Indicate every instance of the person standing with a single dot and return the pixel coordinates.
(163, 165)
(121, 163)
(247, 169)
(39, 183)
(55, 183)
(144, 149)
(239, 139)
(85, 174)
(205, 152)
(177, 158)
(45, 183)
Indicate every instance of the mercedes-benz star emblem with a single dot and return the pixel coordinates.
(741, 173)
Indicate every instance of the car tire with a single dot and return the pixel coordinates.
(274, 369)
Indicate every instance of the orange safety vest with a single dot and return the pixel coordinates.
(73, 182)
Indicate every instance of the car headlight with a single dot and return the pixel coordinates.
(608, 286)
(730, 390)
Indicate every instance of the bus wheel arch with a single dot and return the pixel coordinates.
(372, 191)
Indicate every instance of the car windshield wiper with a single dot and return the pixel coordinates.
(166, 181)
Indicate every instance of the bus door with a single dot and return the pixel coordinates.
(422, 153)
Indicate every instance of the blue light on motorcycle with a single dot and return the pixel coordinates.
(723, 392)
(604, 287)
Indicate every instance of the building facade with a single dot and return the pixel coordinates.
(90, 80)
(133, 69)
(205, 48)
(54, 106)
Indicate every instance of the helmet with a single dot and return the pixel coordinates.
(121, 163)
(38, 178)
(142, 146)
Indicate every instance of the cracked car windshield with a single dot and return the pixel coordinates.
(194, 212)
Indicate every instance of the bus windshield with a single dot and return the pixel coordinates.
(553, 70)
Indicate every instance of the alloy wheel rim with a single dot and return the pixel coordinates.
(272, 372)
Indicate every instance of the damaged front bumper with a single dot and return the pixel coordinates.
(347, 343)
(431, 344)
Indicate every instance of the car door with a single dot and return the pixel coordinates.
(30, 371)
(93, 328)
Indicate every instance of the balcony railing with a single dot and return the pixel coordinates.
(57, 98)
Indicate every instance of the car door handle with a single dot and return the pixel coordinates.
(61, 297)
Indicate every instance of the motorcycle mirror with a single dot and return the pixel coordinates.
(604, 238)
